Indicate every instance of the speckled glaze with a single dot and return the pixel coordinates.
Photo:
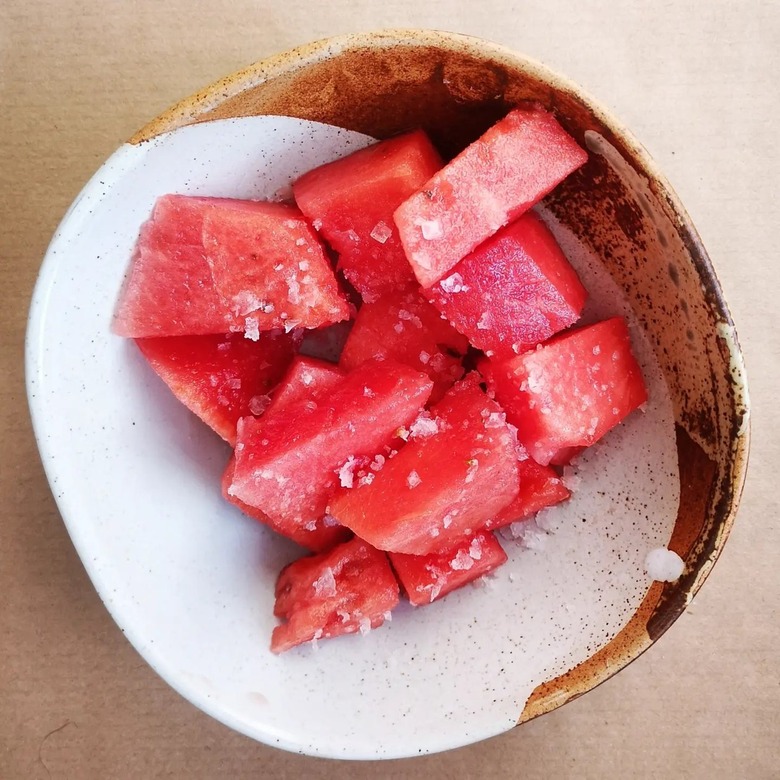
(619, 204)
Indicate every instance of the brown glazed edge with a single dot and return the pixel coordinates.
(663, 604)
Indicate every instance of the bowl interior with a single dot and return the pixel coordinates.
(618, 204)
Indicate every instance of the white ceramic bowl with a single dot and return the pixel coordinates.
(190, 580)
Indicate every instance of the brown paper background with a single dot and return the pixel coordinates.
(697, 82)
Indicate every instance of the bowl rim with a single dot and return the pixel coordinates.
(192, 108)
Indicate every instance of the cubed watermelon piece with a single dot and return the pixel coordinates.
(513, 291)
(569, 392)
(169, 290)
(351, 202)
(426, 578)
(316, 535)
(458, 470)
(270, 267)
(221, 377)
(539, 487)
(403, 326)
(289, 463)
(307, 378)
(492, 182)
(348, 589)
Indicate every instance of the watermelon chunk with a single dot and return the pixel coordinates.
(513, 291)
(348, 589)
(458, 470)
(426, 578)
(569, 392)
(403, 326)
(289, 463)
(169, 290)
(539, 487)
(352, 201)
(220, 378)
(307, 378)
(269, 265)
(316, 535)
(492, 182)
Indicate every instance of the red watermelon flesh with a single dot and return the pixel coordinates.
(169, 290)
(269, 266)
(316, 535)
(307, 378)
(351, 588)
(403, 326)
(220, 377)
(492, 182)
(539, 487)
(351, 202)
(426, 578)
(457, 471)
(289, 463)
(513, 291)
(570, 391)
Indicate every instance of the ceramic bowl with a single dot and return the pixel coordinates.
(189, 579)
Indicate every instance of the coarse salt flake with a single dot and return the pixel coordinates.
(381, 232)
(664, 565)
(423, 426)
(461, 561)
(325, 584)
(413, 479)
(346, 473)
(431, 228)
(453, 284)
(258, 404)
(252, 328)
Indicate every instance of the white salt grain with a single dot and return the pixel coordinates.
(664, 565)
(423, 426)
(325, 585)
(252, 328)
(453, 284)
(413, 480)
(431, 228)
(258, 404)
(381, 232)
(462, 561)
(346, 473)
(483, 323)
(364, 625)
